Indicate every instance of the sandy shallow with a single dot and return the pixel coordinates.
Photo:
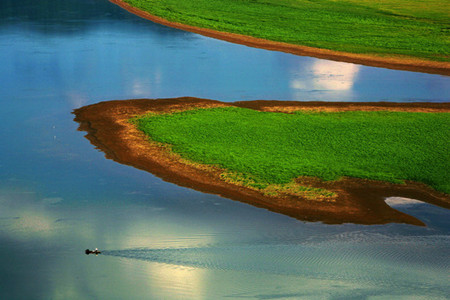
(397, 63)
(358, 201)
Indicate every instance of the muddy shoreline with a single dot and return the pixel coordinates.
(396, 63)
(359, 201)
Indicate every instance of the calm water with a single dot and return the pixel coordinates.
(59, 195)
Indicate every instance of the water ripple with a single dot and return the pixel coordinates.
(374, 263)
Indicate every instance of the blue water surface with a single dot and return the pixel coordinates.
(59, 195)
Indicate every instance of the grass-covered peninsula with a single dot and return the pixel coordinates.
(333, 162)
(266, 148)
(390, 28)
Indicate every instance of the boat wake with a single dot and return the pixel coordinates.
(367, 262)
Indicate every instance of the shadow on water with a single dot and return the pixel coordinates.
(70, 17)
(51, 11)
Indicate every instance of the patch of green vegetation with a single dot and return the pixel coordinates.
(411, 28)
(267, 148)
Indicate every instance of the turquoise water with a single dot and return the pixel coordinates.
(59, 195)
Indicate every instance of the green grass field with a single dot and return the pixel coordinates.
(274, 148)
(412, 28)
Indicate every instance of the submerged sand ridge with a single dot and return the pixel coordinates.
(358, 201)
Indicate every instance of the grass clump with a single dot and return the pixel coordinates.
(267, 148)
(412, 28)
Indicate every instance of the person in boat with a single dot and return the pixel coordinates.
(96, 251)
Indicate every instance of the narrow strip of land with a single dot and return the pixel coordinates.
(395, 61)
(354, 200)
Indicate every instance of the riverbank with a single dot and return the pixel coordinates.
(385, 61)
(356, 200)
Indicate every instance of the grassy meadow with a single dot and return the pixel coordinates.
(403, 28)
(264, 148)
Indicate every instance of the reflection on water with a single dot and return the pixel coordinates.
(211, 247)
(86, 51)
(329, 77)
(59, 196)
(323, 259)
(334, 75)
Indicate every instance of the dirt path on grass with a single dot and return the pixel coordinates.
(397, 63)
(358, 201)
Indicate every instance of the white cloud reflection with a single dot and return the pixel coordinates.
(183, 281)
(143, 86)
(331, 75)
(326, 75)
(23, 214)
(76, 99)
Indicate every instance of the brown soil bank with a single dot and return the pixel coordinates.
(397, 63)
(358, 201)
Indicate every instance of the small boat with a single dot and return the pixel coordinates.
(96, 251)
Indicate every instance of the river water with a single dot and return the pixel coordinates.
(59, 195)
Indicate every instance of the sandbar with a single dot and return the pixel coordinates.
(358, 201)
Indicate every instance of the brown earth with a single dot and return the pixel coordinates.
(397, 63)
(358, 201)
